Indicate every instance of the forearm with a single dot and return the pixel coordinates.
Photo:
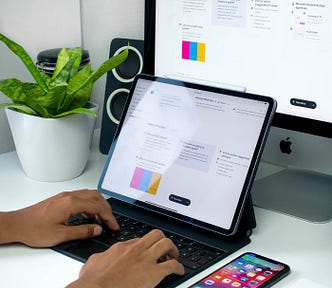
(9, 227)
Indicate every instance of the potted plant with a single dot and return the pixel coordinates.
(52, 120)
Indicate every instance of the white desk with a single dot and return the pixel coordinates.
(306, 247)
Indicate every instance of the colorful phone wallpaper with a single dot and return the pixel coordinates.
(247, 271)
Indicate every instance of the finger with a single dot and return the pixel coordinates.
(171, 266)
(164, 247)
(131, 241)
(89, 206)
(111, 222)
(151, 238)
(106, 215)
(81, 232)
(125, 243)
(91, 195)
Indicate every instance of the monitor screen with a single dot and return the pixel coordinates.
(276, 48)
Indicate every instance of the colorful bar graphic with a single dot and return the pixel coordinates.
(185, 50)
(193, 51)
(145, 180)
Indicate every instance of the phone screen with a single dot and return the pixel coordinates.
(249, 270)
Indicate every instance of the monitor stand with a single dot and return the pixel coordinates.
(303, 194)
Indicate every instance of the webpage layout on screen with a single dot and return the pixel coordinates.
(282, 49)
(185, 150)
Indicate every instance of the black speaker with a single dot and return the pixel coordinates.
(118, 84)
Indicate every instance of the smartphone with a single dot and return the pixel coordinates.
(249, 270)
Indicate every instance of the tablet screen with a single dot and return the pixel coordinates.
(188, 151)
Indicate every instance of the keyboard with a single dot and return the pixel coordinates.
(194, 256)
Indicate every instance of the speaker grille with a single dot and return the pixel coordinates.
(118, 84)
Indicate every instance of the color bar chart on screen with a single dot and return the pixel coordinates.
(145, 180)
(193, 51)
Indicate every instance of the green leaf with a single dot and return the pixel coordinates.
(45, 104)
(63, 76)
(62, 60)
(76, 81)
(75, 53)
(65, 93)
(13, 89)
(46, 77)
(81, 97)
(110, 64)
(20, 107)
(76, 111)
(28, 94)
(78, 96)
(26, 59)
(105, 67)
(65, 56)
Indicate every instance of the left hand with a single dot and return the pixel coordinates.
(45, 223)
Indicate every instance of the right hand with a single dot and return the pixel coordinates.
(134, 263)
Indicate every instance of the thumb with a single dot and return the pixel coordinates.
(83, 231)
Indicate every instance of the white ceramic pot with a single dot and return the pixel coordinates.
(52, 149)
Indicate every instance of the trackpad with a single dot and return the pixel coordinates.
(84, 249)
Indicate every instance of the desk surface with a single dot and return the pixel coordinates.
(305, 246)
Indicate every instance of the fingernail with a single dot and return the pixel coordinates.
(97, 230)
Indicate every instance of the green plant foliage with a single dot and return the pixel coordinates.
(66, 92)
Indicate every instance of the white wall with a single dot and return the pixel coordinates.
(44, 24)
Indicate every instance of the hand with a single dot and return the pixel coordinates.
(135, 263)
(45, 223)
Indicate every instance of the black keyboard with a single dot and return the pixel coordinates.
(192, 254)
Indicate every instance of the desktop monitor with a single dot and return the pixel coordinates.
(281, 49)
